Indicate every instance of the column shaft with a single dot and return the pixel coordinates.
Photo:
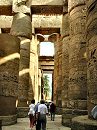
(9, 77)
(92, 54)
(77, 91)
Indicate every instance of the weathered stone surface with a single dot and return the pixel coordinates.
(65, 25)
(22, 112)
(46, 2)
(21, 26)
(24, 71)
(46, 21)
(77, 48)
(65, 59)
(9, 64)
(83, 123)
(91, 54)
(77, 24)
(5, 21)
(33, 79)
(6, 2)
(9, 76)
(8, 120)
(20, 6)
(74, 3)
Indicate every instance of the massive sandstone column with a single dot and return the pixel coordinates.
(9, 77)
(33, 82)
(59, 74)
(77, 90)
(57, 84)
(91, 54)
(84, 122)
(21, 27)
(65, 64)
(39, 83)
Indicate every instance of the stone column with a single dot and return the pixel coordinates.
(91, 54)
(39, 84)
(54, 38)
(65, 66)
(33, 88)
(55, 72)
(21, 27)
(9, 77)
(59, 75)
(77, 90)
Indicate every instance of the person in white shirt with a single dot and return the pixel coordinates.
(31, 113)
(42, 112)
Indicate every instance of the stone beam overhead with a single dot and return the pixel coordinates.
(44, 22)
(46, 2)
(6, 2)
(6, 10)
(5, 7)
(46, 7)
(46, 62)
(5, 21)
(47, 31)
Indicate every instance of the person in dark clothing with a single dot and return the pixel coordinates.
(52, 110)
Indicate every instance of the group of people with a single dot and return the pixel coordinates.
(37, 114)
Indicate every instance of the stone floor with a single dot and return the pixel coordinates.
(23, 124)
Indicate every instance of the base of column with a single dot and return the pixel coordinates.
(83, 123)
(58, 110)
(8, 120)
(68, 114)
(22, 112)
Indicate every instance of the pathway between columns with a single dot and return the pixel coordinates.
(23, 124)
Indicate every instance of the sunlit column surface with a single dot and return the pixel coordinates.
(33, 88)
(21, 27)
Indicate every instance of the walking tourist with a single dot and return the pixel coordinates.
(52, 110)
(42, 112)
(31, 113)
